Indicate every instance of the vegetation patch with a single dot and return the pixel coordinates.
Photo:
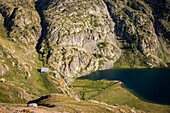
(111, 92)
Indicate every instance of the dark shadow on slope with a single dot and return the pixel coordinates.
(127, 41)
(8, 19)
(43, 25)
(39, 99)
(40, 6)
(152, 85)
(161, 10)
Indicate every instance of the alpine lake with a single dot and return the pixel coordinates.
(146, 89)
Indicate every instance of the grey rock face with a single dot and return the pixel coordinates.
(81, 35)
(77, 37)
(135, 28)
(21, 20)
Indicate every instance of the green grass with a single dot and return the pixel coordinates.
(63, 103)
(131, 60)
(23, 78)
(47, 83)
(10, 93)
(113, 93)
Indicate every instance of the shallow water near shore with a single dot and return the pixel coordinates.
(151, 85)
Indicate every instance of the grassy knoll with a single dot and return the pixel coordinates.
(112, 93)
(63, 103)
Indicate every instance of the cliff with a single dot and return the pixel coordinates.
(74, 38)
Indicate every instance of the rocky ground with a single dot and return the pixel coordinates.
(63, 104)
(74, 38)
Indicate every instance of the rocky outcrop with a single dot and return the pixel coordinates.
(85, 36)
(81, 37)
(76, 37)
(20, 30)
(135, 28)
(161, 11)
(21, 20)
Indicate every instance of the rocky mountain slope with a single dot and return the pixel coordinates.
(74, 38)
(85, 36)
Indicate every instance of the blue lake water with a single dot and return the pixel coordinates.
(151, 85)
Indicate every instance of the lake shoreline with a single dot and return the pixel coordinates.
(123, 86)
(149, 84)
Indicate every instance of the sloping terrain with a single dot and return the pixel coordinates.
(85, 36)
(74, 38)
(114, 93)
(60, 103)
(19, 60)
